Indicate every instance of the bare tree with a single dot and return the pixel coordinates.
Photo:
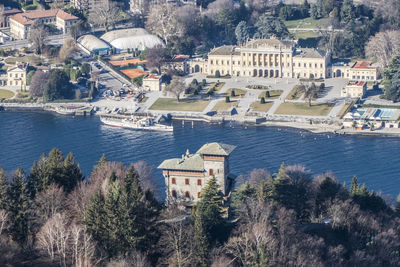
(105, 15)
(38, 82)
(136, 259)
(3, 221)
(37, 36)
(67, 49)
(82, 246)
(48, 203)
(383, 46)
(155, 57)
(148, 180)
(57, 4)
(176, 87)
(176, 240)
(162, 21)
(53, 238)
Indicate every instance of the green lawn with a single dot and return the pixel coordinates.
(293, 95)
(223, 106)
(303, 109)
(305, 35)
(183, 105)
(214, 88)
(144, 99)
(345, 108)
(6, 93)
(238, 93)
(31, 59)
(273, 94)
(258, 107)
(307, 23)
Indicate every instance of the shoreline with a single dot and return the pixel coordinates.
(316, 128)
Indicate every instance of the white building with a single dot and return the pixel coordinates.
(185, 177)
(21, 22)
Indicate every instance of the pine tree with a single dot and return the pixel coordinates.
(4, 187)
(95, 219)
(354, 187)
(113, 217)
(19, 204)
(131, 209)
(207, 219)
(398, 205)
(72, 174)
(102, 160)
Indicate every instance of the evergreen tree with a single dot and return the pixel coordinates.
(208, 221)
(347, 12)
(354, 186)
(72, 174)
(95, 220)
(112, 217)
(19, 204)
(4, 187)
(242, 32)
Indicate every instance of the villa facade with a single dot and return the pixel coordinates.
(270, 58)
(16, 76)
(185, 177)
(21, 22)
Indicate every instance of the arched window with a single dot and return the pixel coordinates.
(211, 172)
(173, 180)
(187, 194)
(198, 181)
(186, 180)
(173, 193)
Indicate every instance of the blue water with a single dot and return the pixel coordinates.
(375, 160)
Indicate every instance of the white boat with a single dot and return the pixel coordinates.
(136, 123)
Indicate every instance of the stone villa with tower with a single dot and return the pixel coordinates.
(185, 177)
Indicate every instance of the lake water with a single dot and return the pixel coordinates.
(375, 161)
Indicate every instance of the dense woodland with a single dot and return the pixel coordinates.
(53, 216)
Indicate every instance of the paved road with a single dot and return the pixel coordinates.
(51, 40)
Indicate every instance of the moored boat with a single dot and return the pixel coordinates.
(136, 123)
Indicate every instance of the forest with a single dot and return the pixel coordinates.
(54, 216)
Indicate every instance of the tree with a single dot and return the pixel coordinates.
(310, 93)
(316, 10)
(391, 79)
(162, 21)
(155, 57)
(29, 77)
(94, 220)
(262, 101)
(4, 187)
(208, 221)
(268, 26)
(67, 49)
(19, 207)
(37, 36)
(176, 87)
(383, 46)
(347, 12)
(38, 82)
(105, 15)
(58, 86)
(85, 69)
(242, 32)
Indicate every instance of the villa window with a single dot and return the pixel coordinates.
(186, 180)
(316, 65)
(211, 172)
(299, 64)
(173, 193)
(198, 181)
(321, 65)
(305, 65)
(173, 180)
(187, 194)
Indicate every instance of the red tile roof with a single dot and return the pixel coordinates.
(133, 73)
(363, 65)
(152, 76)
(10, 11)
(126, 62)
(28, 18)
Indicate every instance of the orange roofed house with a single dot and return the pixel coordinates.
(21, 23)
(185, 177)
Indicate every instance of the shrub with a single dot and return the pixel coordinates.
(233, 92)
(262, 101)
(203, 82)
(267, 94)
(227, 99)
